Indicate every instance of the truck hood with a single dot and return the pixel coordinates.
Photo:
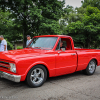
(18, 54)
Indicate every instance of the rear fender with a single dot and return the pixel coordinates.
(93, 58)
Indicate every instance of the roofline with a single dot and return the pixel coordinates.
(53, 36)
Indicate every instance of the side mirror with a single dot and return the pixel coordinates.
(62, 49)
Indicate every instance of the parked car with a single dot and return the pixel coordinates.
(44, 58)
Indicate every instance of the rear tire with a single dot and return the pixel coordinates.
(90, 68)
(36, 76)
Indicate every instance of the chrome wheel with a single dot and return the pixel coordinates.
(37, 76)
(92, 66)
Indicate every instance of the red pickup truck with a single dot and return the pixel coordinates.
(47, 56)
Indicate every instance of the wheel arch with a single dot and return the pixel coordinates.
(92, 59)
(39, 63)
(95, 60)
(88, 70)
(45, 68)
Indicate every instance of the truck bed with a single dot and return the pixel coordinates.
(85, 56)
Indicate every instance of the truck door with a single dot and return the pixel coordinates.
(66, 61)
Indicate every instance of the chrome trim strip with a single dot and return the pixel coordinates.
(14, 78)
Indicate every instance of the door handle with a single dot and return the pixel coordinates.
(73, 54)
(59, 51)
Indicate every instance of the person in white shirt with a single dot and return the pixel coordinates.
(3, 45)
(28, 40)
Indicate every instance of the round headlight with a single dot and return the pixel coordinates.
(12, 67)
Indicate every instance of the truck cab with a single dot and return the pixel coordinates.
(66, 56)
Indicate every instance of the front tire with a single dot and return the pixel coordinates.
(90, 68)
(36, 76)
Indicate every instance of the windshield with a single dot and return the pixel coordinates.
(43, 42)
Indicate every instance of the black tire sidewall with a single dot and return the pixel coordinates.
(29, 82)
(87, 69)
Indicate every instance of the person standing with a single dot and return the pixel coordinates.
(3, 46)
(28, 40)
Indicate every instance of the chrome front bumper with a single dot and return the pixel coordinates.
(14, 78)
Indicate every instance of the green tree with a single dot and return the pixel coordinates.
(7, 28)
(92, 3)
(71, 15)
(68, 15)
(35, 17)
(86, 33)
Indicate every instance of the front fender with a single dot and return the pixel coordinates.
(37, 63)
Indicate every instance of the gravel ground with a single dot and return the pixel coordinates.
(76, 86)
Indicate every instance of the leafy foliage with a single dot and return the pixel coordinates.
(92, 3)
(39, 17)
(35, 17)
(7, 29)
(19, 47)
(86, 33)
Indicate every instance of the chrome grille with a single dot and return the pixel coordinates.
(4, 65)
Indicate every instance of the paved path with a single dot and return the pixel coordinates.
(74, 86)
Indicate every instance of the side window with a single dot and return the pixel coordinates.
(64, 43)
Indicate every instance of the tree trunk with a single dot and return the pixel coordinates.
(89, 41)
(24, 39)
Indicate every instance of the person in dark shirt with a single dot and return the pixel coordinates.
(61, 45)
